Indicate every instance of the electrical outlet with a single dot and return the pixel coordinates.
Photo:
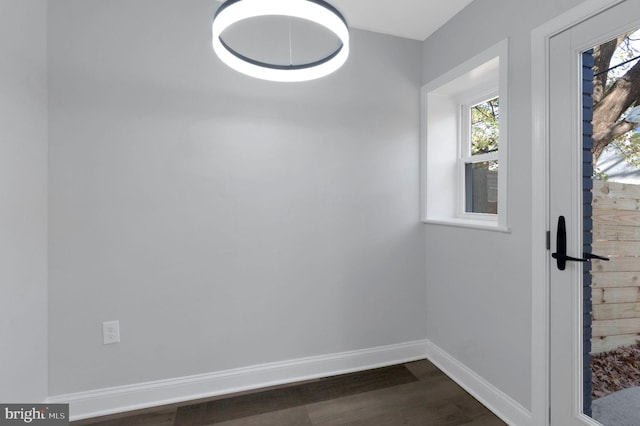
(110, 332)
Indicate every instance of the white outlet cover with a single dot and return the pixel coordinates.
(110, 332)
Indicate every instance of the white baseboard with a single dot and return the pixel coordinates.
(503, 406)
(120, 399)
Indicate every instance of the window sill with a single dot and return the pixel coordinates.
(469, 223)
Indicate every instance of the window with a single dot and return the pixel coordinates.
(464, 144)
(479, 156)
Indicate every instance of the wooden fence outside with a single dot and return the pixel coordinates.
(616, 284)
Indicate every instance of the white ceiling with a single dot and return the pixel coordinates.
(415, 19)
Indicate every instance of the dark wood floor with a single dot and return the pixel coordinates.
(415, 393)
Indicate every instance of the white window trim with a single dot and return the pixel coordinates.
(441, 197)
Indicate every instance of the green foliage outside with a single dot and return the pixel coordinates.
(628, 146)
(484, 127)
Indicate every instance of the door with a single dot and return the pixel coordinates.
(569, 210)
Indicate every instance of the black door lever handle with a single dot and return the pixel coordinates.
(561, 246)
(590, 256)
(569, 258)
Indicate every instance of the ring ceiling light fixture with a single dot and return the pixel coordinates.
(318, 11)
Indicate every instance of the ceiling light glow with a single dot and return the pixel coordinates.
(318, 11)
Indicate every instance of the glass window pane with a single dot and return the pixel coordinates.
(485, 118)
(481, 187)
(610, 329)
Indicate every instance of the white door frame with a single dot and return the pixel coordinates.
(540, 349)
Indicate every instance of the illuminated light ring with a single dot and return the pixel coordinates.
(318, 11)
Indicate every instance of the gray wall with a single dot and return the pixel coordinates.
(23, 209)
(225, 221)
(479, 282)
(228, 222)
